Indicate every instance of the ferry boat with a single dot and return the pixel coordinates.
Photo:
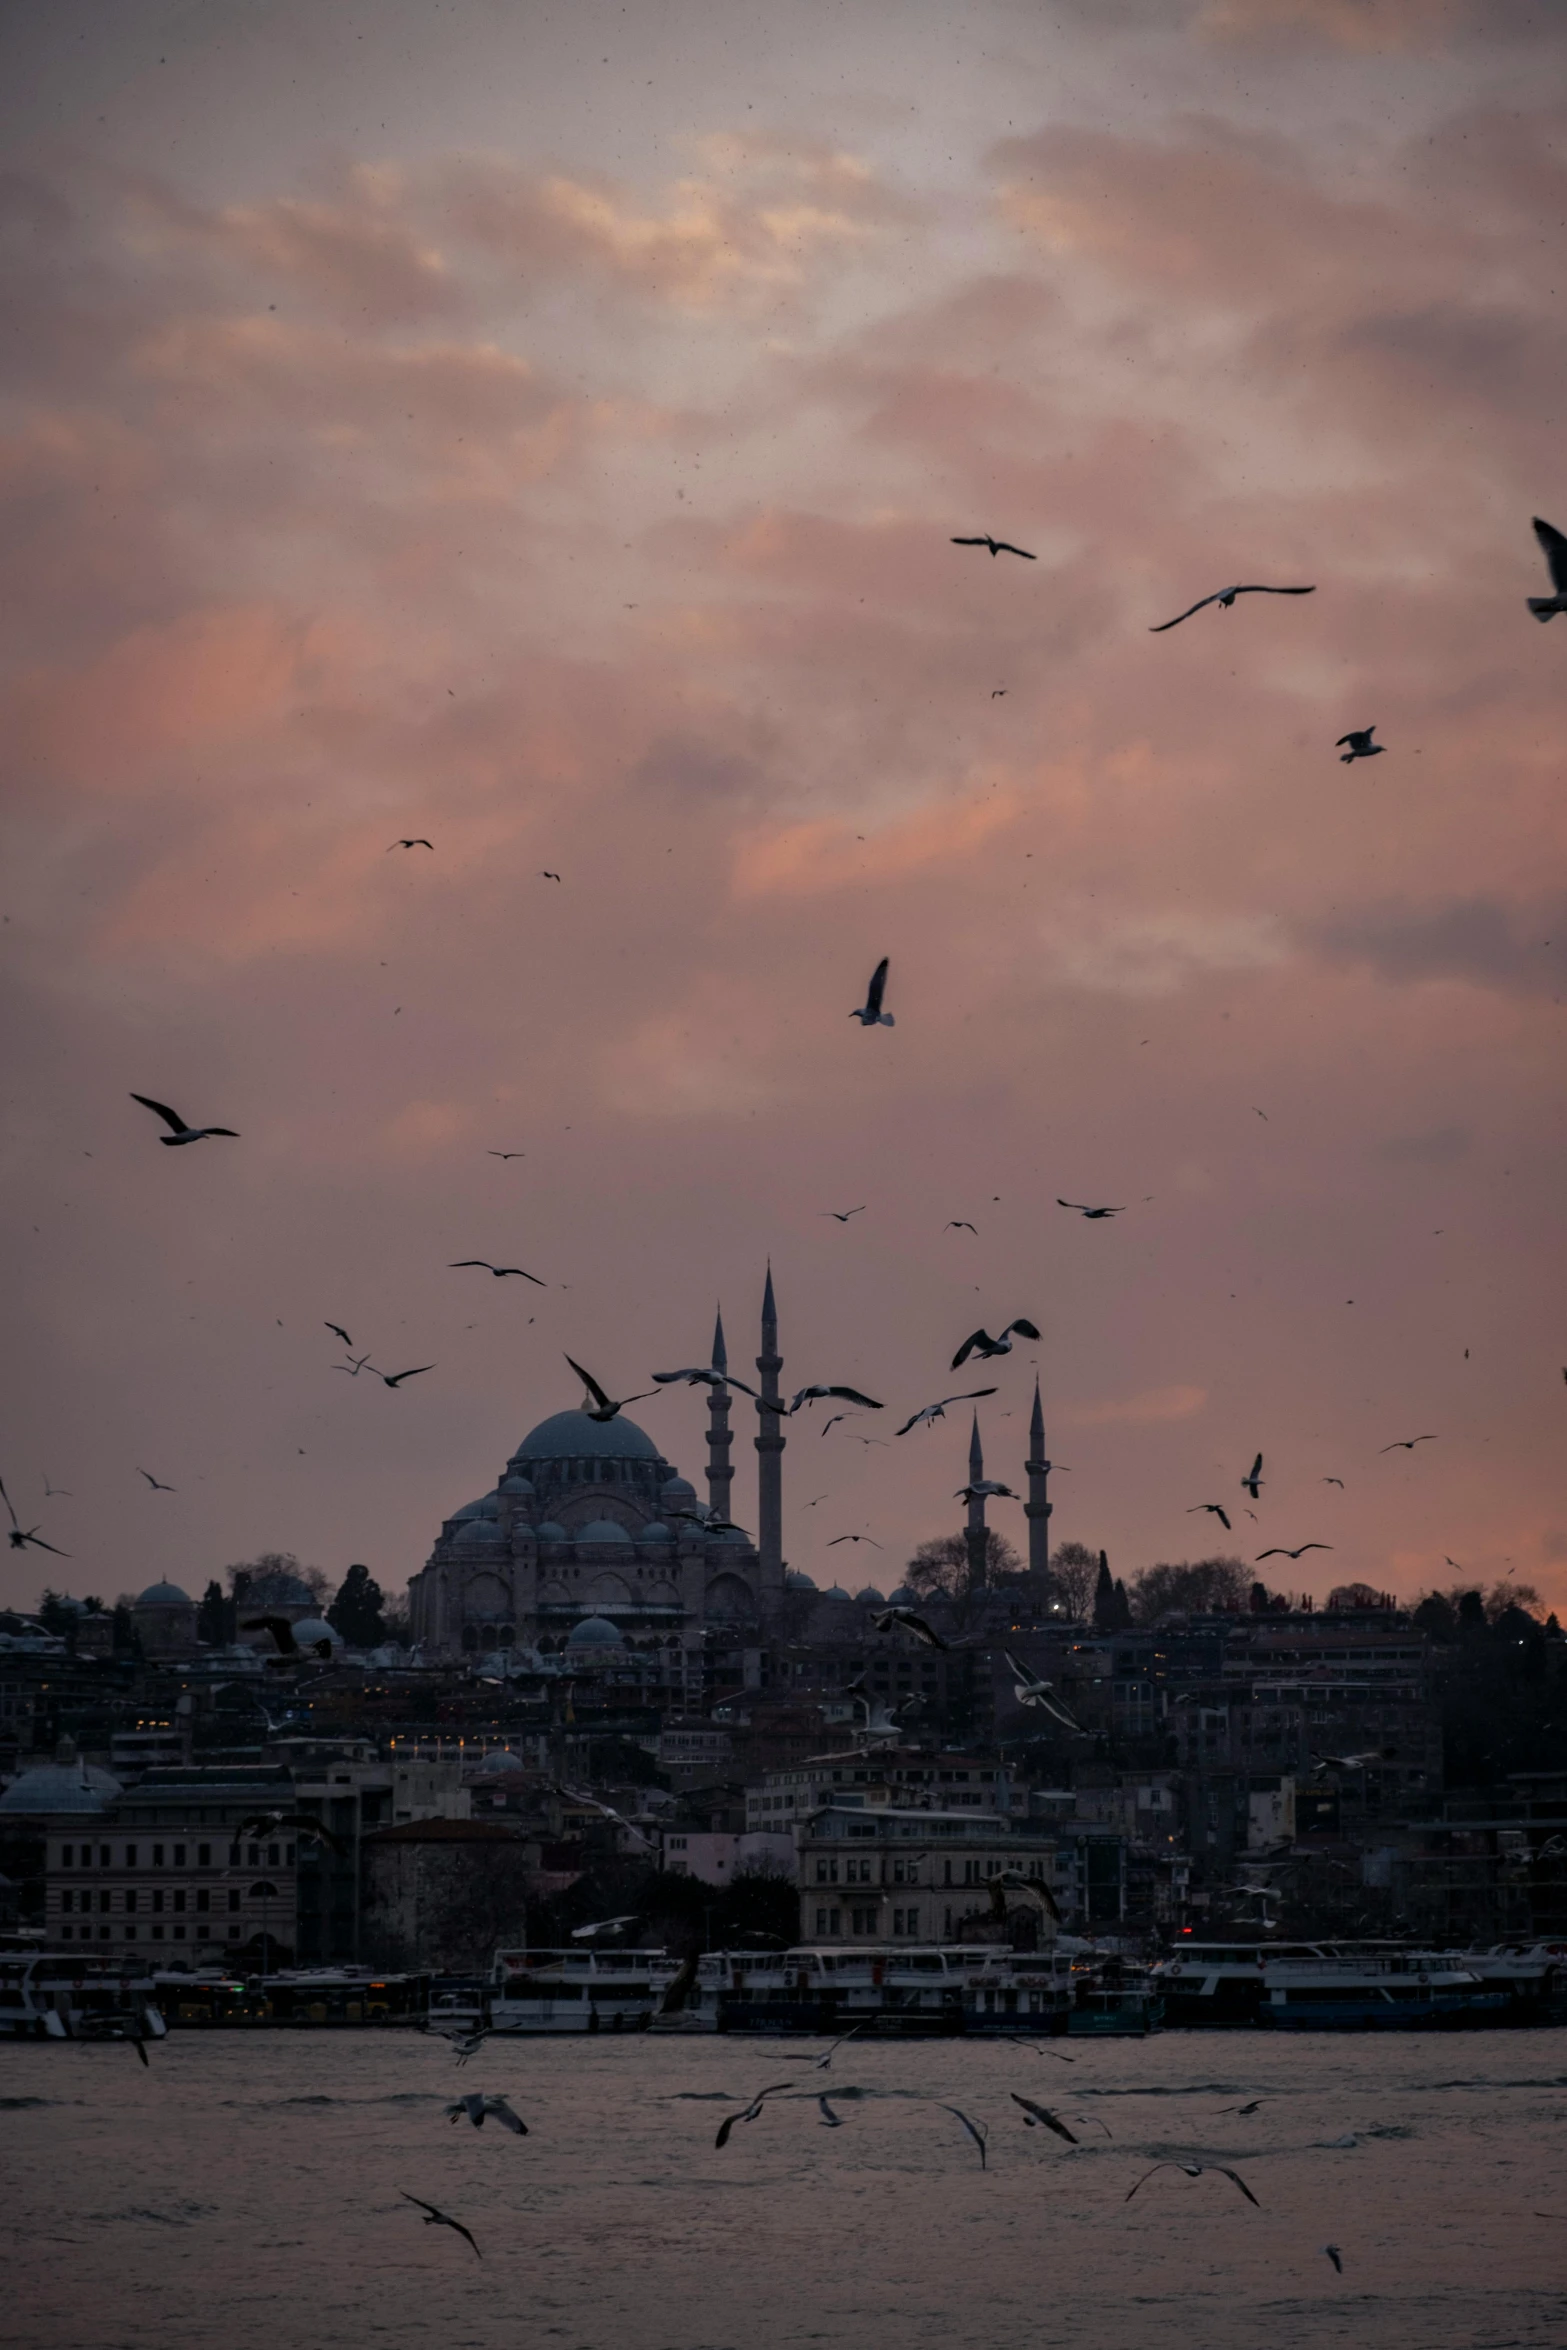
(902, 1992)
(305, 1996)
(1532, 1974)
(1221, 1982)
(68, 1995)
(1377, 1990)
(577, 1990)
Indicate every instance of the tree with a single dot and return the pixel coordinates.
(1104, 1597)
(215, 1617)
(1216, 1586)
(57, 1615)
(939, 1568)
(356, 1611)
(247, 1577)
(1073, 1571)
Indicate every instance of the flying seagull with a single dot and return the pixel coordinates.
(1031, 1889)
(548, 876)
(478, 2109)
(1405, 1443)
(55, 1492)
(980, 1343)
(1252, 1481)
(1034, 2114)
(837, 1538)
(986, 1489)
(870, 1014)
(408, 844)
(505, 1154)
(842, 1215)
(282, 1632)
(702, 1377)
(1243, 2110)
(904, 1619)
(837, 1394)
(1338, 1481)
(1214, 1510)
(1094, 1215)
(435, 2218)
(830, 2120)
(820, 2063)
(396, 1378)
(338, 1331)
(1553, 546)
(1030, 1690)
(1225, 598)
(574, 1795)
(181, 1132)
(354, 1365)
(1336, 2256)
(1360, 744)
(1003, 547)
(500, 1271)
(603, 1407)
(976, 2130)
(751, 2111)
(302, 1825)
(1194, 2170)
(1279, 1551)
(938, 1411)
(22, 1536)
(156, 1483)
(960, 1224)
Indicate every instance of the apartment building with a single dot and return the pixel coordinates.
(885, 1873)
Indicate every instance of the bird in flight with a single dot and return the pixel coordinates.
(1214, 1509)
(1093, 1214)
(51, 1492)
(904, 1619)
(22, 1537)
(478, 2109)
(1360, 744)
(1035, 2114)
(435, 2218)
(837, 1538)
(809, 1395)
(505, 1154)
(842, 1215)
(302, 1825)
(1405, 1443)
(1252, 1481)
(396, 1378)
(830, 2120)
(938, 1411)
(1333, 2253)
(1553, 546)
(870, 1013)
(751, 2111)
(997, 547)
(354, 1365)
(408, 844)
(1255, 2106)
(604, 1407)
(1225, 597)
(980, 1343)
(820, 2064)
(549, 876)
(181, 1132)
(1030, 1690)
(282, 1631)
(1194, 2170)
(703, 1377)
(986, 1489)
(1338, 1481)
(500, 1271)
(155, 1483)
(1279, 1551)
(338, 1331)
(976, 2130)
(960, 1224)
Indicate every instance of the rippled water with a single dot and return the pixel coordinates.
(244, 2192)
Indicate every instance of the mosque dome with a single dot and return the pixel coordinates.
(732, 1534)
(798, 1580)
(64, 1785)
(656, 1531)
(165, 1595)
(484, 1507)
(479, 1534)
(594, 1632)
(677, 1489)
(835, 1591)
(550, 1532)
(310, 1629)
(902, 1597)
(870, 1597)
(516, 1487)
(602, 1530)
(567, 1436)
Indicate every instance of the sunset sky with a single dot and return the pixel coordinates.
(541, 429)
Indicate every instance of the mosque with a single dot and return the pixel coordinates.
(591, 1536)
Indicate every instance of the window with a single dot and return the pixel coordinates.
(157, 1933)
(272, 1856)
(233, 1856)
(827, 1872)
(179, 1902)
(103, 1854)
(130, 1856)
(254, 1856)
(857, 1872)
(179, 1933)
(203, 1856)
(67, 1903)
(157, 1856)
(130, 1900)
(130, 1933)
(905, 1925)
(103, 1901)
(233, 1904)
(862, 1921)
(203, 1899)
(179, 1856)
(157, 1901)
(66, 1851)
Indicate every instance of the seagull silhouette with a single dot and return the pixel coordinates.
(478, 2109)
(1252, 1481)
(1553, 546)
(904, 1619)
(1033, 2114)
(27, 1537)
(1094, 1215)
(155, 1483)
(500, 1271)
(938, 1411)
(976, 2130)
(1405, 1443)
(842, 1215)
(751, 2111)
(837, 1538)
(1338, 1481)
(604, 1407)
(182, 1132)
(960, 1224)
(1194, 2170)
(809, 1395)
(547, 876)
(981, 1344)
(505, 1154)
(870, 1014)
(1280, 1552)
(1214, 1510)
(1336, 2256)
(408, 844)
(338, 1331)
(435, 2218)
(1361, 746)
(396, 1378)
(986, 1489)
(1225, 597)
(997, 547)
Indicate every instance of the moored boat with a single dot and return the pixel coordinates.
(68, 1995)
(1377, 1990)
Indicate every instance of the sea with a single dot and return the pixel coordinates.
(246, 2191)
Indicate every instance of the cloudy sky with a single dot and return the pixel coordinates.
(541, 429)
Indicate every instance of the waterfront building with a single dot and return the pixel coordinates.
(889, 1874)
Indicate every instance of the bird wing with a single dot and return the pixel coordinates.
(1274, 1554)
(6, 1498)
(280, 1628)
(1147, 2175)
(1239, 2181)
(724, 2128)
(973, 2129)
(1553, 546)
(1256, 1470)
(39, 1543)
(972, 1396)
(986, 542)
(1023, 1329)
(1022, 1672)
(170, 1117)
(979, 1338)
(1004, 547)
(504, 2115)
(1042, 2113)
(338, 1331)
(1311, 1546)
(457, 1264)
(1159, 631)
(853, 1395)
(423, 2206)
(591, 1384)
(878, 986)
(1255, 588)
(392, 1378)
(928, 1413)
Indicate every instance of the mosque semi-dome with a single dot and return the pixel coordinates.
(567, 1436)
(602, 1530)
(655, 1531)
(550, 1532)
(594, 1632)
(165, 1595)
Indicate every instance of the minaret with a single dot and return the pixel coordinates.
(1037, 1507)
(974, 1534)
(720, 1469)
(770, 1439)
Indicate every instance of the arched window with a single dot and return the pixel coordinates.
(470, 1638)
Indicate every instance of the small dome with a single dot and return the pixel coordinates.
(902, 1597)
(165, 1595)
(594, 1632)
(835, 1591)
(602, 1530)
(655, 1531)
(733, 1534)
(569, 1436)
(550, 1532)
(677, 1489)
(484, 1507)
(310, 1629)
(478, 1534)
(798, 1580)
(61, 1787)
(870, 1597)
(517, 1488)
